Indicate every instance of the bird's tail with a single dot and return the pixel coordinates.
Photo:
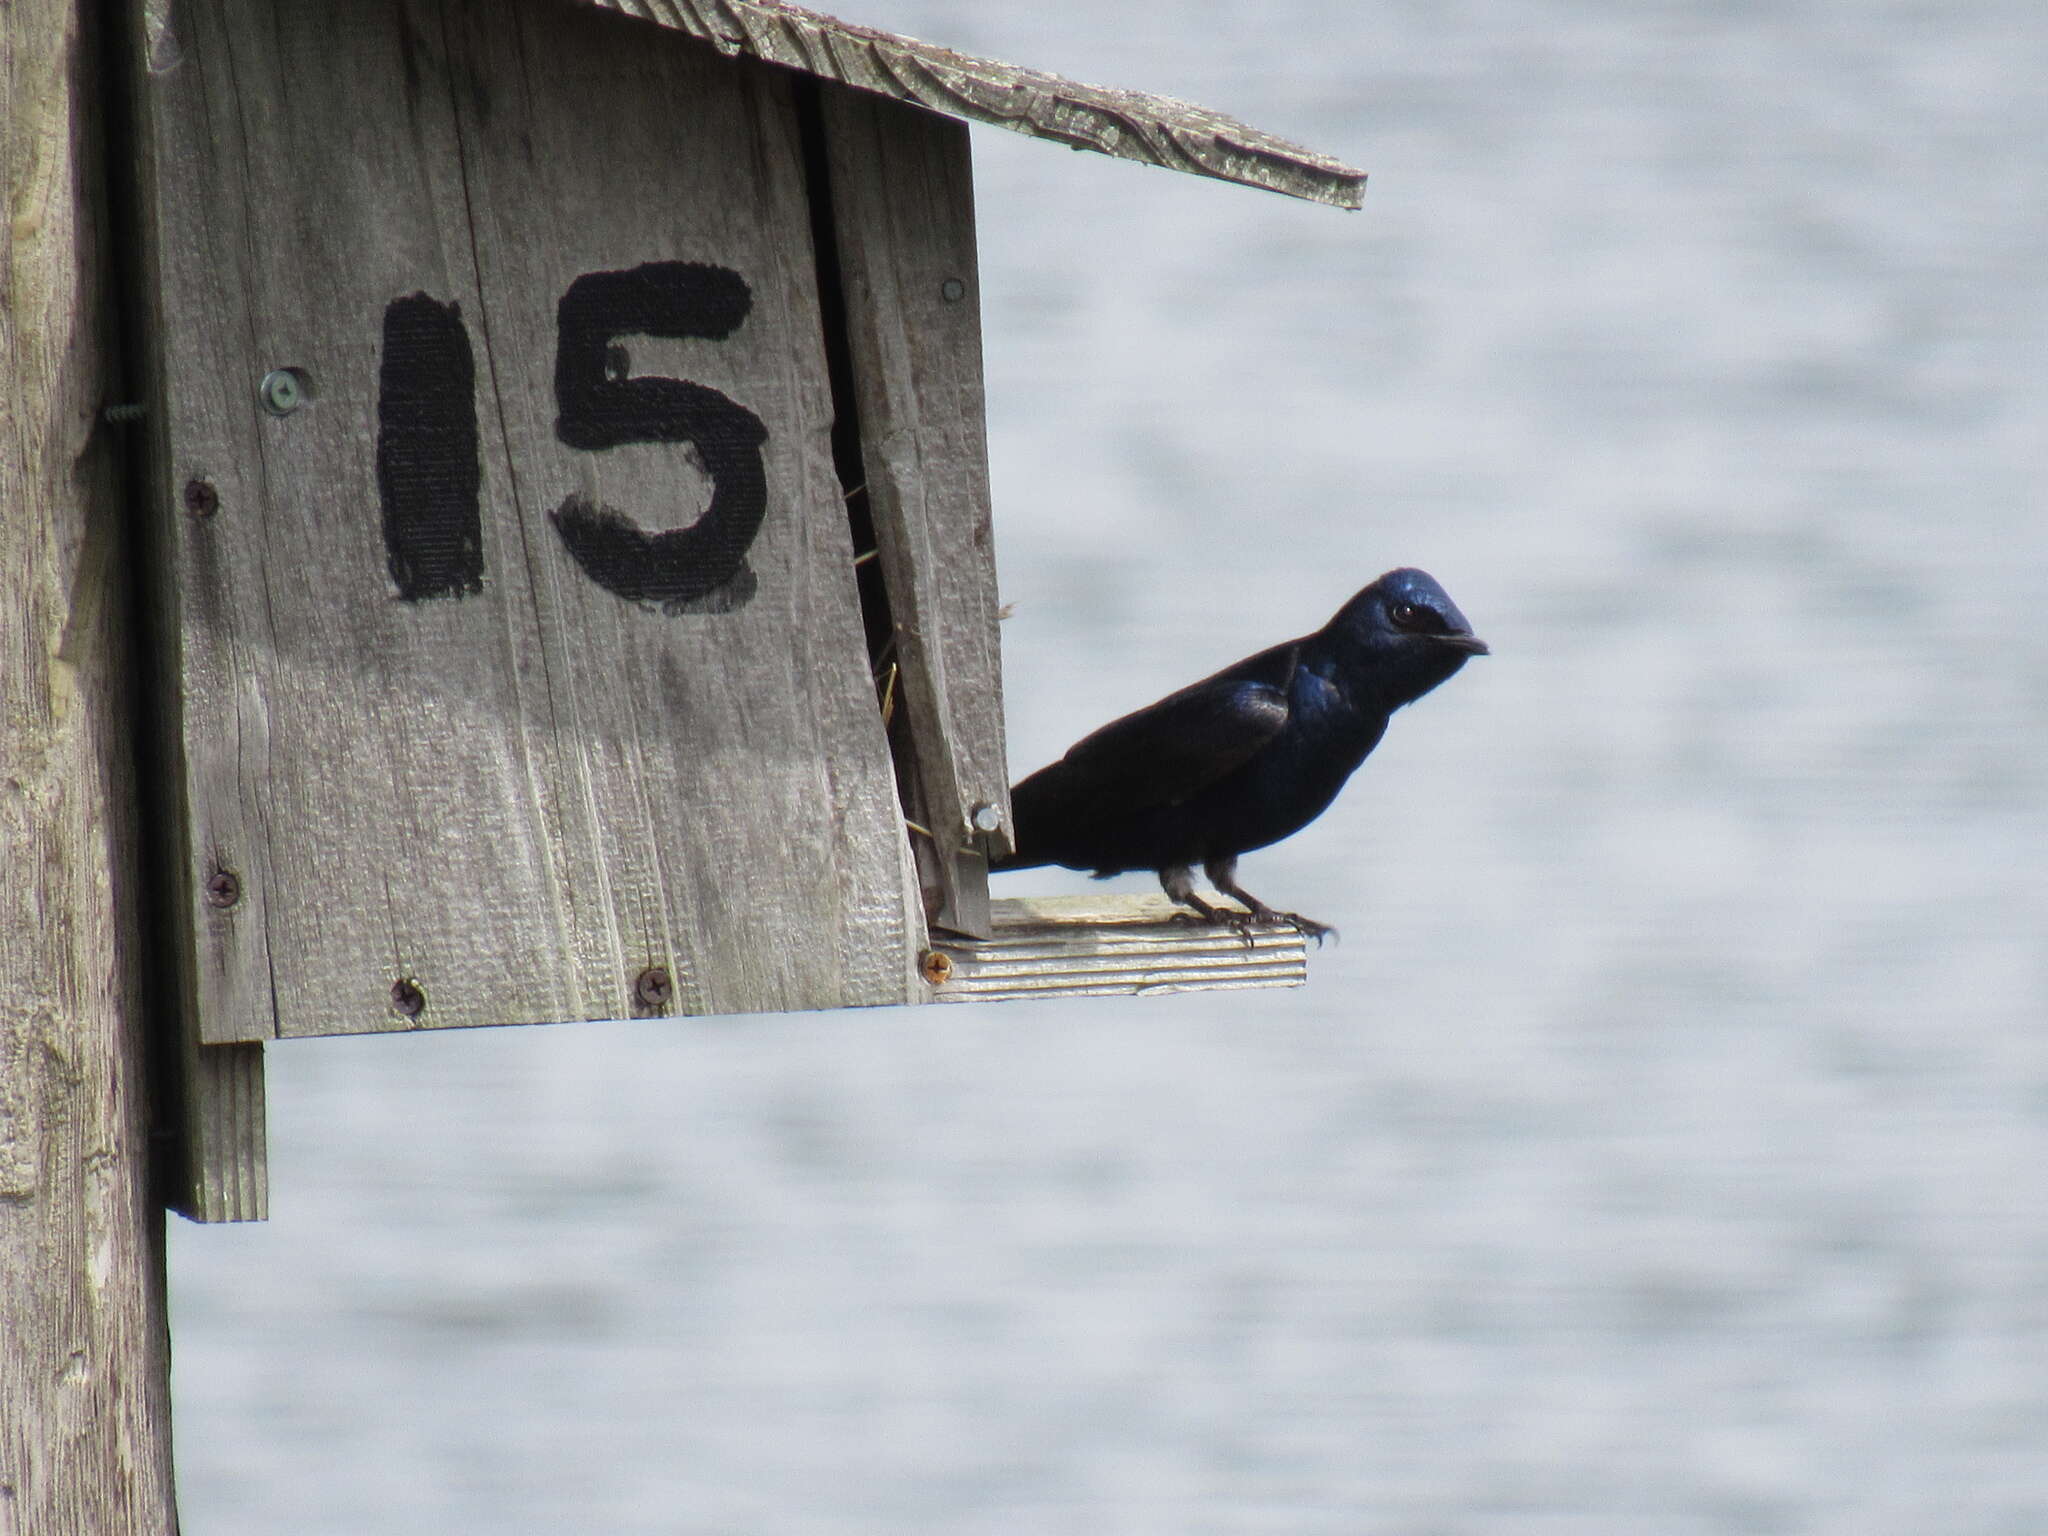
(1018, 859)
(1023, 815)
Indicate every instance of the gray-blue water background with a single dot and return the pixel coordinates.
(1662, 1149)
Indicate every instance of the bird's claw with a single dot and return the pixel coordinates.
(1243, 922)
(1248, 923)
(1307, 927)
(1220, 917)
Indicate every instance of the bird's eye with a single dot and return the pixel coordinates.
(1405, 615)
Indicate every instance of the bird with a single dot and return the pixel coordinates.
(1245, 757)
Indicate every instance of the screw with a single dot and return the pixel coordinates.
(936, 967)
(987, 818)
(652, 987)
(952, 290)
(223, 889)
(201, 499)
(407, 1000)
(121, 415)
(282, 391)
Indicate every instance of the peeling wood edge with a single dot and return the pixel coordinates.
(1126, 125)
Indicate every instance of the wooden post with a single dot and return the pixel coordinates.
(84, 1349)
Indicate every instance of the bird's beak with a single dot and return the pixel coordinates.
(1471, 645)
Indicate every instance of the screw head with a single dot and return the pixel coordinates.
(223, 889)
(936, 966)
(987, 818)
(407, 1000)
(652, 988)
(201, 499)
(952, 290)
(281, 391)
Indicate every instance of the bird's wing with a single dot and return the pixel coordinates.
(1172, 750)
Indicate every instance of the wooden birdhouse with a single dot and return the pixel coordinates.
(570, 545)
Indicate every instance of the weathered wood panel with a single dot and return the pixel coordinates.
(438, 773)
(84, 1353)
(224, 1171)
(1101, 946)
(902, 196)
(1130, 125)
(213, 1103)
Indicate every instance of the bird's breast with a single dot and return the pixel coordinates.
(1294, 779)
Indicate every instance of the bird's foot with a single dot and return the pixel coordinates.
(1243, 922)
(1307, 927)
(1211, 916)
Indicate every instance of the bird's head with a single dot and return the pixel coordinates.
(1407, 631)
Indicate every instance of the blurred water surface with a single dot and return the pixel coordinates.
(1660, 1150)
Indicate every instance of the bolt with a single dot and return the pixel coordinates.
(936, 966)
(223, 889)
(987, 818)
(281, 392)
(952, 290)
(407, 1000)
(201, 499)
(652, 987)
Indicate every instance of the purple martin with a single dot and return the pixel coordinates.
(1245, 757)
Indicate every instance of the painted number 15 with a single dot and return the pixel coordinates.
(429, 472)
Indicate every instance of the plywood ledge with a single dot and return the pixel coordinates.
(1108, 946)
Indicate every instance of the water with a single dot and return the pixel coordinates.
(1661, 1148)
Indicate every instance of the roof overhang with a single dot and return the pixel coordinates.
(1130, 125)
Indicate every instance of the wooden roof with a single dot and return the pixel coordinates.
(1130, 125)
(1127, 124)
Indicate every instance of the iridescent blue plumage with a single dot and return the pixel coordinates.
(1245, 757)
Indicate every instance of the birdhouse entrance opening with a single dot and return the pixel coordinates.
(938, 880)
(890, 191)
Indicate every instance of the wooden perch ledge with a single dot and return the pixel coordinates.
(1108, 946)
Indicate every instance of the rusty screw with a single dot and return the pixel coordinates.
(936, 966)
(201, 499)
(407, 1000)
(652, 988)
(223, 889)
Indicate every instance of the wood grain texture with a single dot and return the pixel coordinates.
(1107, 946)
(224, 1173)
(902, 197)
(84, 1367)
(1130, 125)
(214, 1102)
(520, 802)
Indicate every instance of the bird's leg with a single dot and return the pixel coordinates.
(1222, 874)
(1178, 881)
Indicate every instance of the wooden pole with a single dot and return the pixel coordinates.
(84, 1346)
